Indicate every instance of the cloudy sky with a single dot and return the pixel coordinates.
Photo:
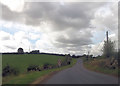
(57, 27)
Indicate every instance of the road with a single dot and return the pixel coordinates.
(79, 75)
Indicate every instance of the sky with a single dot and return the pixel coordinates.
(57, 27)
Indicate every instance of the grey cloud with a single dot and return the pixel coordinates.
(74, 41)
(79, 48)
(6, 38)
(73, 19)
(13, 16)
(74, 38)
(71, 15)
(36, 13)
(10, 47)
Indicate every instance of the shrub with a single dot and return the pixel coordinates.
(33, 68)
(48, 66)
(108, 48)
(8, 70)
(68, 62)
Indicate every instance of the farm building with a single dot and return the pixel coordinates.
(20, 51)
(35, 52)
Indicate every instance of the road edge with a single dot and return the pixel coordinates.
(44, 78)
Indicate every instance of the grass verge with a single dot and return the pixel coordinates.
(94, 66)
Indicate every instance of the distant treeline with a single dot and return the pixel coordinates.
(73, 56)
(35, 53)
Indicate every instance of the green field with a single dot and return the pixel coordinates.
(21, 62)
(28, 78)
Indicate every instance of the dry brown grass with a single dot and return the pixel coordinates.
(103, 65)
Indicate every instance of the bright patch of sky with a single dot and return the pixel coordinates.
(9, 30)
(98, 36)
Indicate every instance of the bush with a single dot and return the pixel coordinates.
(102, 64)
(33, 68)
(48, 66)
(8, 70)
(64, 63)
(110, 63)
(68, 63)
(108, 48)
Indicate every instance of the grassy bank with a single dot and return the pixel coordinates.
(97, 65)
(27, 78)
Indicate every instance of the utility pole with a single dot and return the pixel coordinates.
(107, 36)
(107, 43)
(87, 55)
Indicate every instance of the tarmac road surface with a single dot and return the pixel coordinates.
(79, 75)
